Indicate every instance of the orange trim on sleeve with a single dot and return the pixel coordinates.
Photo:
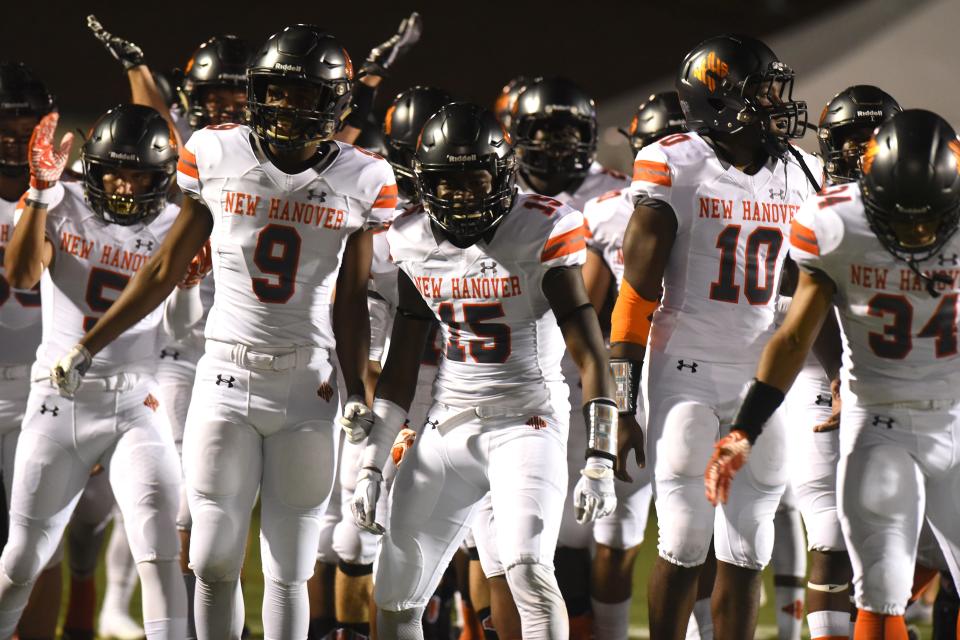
(186, 154)
(655, 172)
(387, 198)
(586, 230)
(804, 238)
(186, 168)
(564, 244)
(632, 316)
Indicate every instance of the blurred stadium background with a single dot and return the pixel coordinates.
(619, 53)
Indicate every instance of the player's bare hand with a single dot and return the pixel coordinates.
(357, 419)
(365, 497)
(382, 56)
(629, 438)
(594, 496)
(729, 454)
(402, 444)
(68, 371)
(199, 267)
(129, 54)
(833, 422)
(47, 161)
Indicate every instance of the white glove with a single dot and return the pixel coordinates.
(594, 496)
(67, 373)
(357, 419)
(365, 497)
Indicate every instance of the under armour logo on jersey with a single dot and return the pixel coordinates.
(778, 193)
(45, 409)
(681, 365)
(141, 244)
(169, 354)
(313, 195)
(227, 380)
(883, 420)
(325, 391)
(945, 260)
(433, 424)
(488, 266)
(537, 423)
(823, 401)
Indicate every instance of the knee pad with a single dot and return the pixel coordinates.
(28, 550)
(684, 447)
(288, 547)
(352, 545)
(539, 601)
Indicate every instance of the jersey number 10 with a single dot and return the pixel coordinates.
(725, 289)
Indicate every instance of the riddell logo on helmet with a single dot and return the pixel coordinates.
(14, 105)
(117, 155)
(464, 158)
(236, 77)
(709, 69)
(870, 113)
(287, 67)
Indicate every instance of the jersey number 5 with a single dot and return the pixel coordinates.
(277, 254)
(492, 344)
(725, 289)
(99, 281)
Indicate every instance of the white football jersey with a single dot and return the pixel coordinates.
(606, 218)
(488, 299)
(599, 180)
(721, 280)
(899, 342)
(92, 263)
(20, 327)
(277, 238)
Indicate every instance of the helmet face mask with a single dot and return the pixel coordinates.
(123, 194)
(558, 145)
(215, 82)
(291, 114)
(844, 160)
(216, 104)
(846, 126)
(24, 100)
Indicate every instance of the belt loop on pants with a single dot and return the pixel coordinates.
(247, 358)
(119, 382)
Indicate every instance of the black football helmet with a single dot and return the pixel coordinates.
(911, 184)
(402, 124)
(846, 125)
(460, 140)
(731, 82)
(220, 62)
(310, 64)
(658, 116)
(136, 137)
(21, 94)
(555, 129)
(503, 107)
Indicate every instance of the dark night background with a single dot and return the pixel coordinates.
(470, 49)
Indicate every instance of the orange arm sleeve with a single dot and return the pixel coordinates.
(632, 315)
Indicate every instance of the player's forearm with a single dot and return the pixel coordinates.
(351, 328)
(398, 380)
(595, 377)
(146, 291)
(782, 359)
(24, 256)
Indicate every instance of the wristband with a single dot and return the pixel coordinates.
(363, 96)
(632, 316)
(40, 198)
(600, 414)
(626, 375)
(758, 405)
(388, 419)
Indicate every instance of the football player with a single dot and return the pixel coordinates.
(618, 536)
(711, 210)
(846, 124)
(883, 250)
(83, 254)
(286, 210)
(488, 264)
(554, 127)
(503, 106)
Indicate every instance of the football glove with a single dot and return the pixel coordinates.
(46, 161)
(404, 441)
(129, 54)
(357, 419)
(199, 267)
(365, 497)
(729, 454)
(382, 56)
(594, 496)
(68, 372)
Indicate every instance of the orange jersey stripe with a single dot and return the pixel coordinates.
(804, 238)
(188, 169)
(610, 194)
(655, 172)
(586, 230)
(186, 154)
(387, 198)
(564, 244)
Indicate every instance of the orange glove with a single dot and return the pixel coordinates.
(200, 266)
(404, 441)
(729, 454)
(46, 162)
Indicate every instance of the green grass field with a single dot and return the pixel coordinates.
(253, 590)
